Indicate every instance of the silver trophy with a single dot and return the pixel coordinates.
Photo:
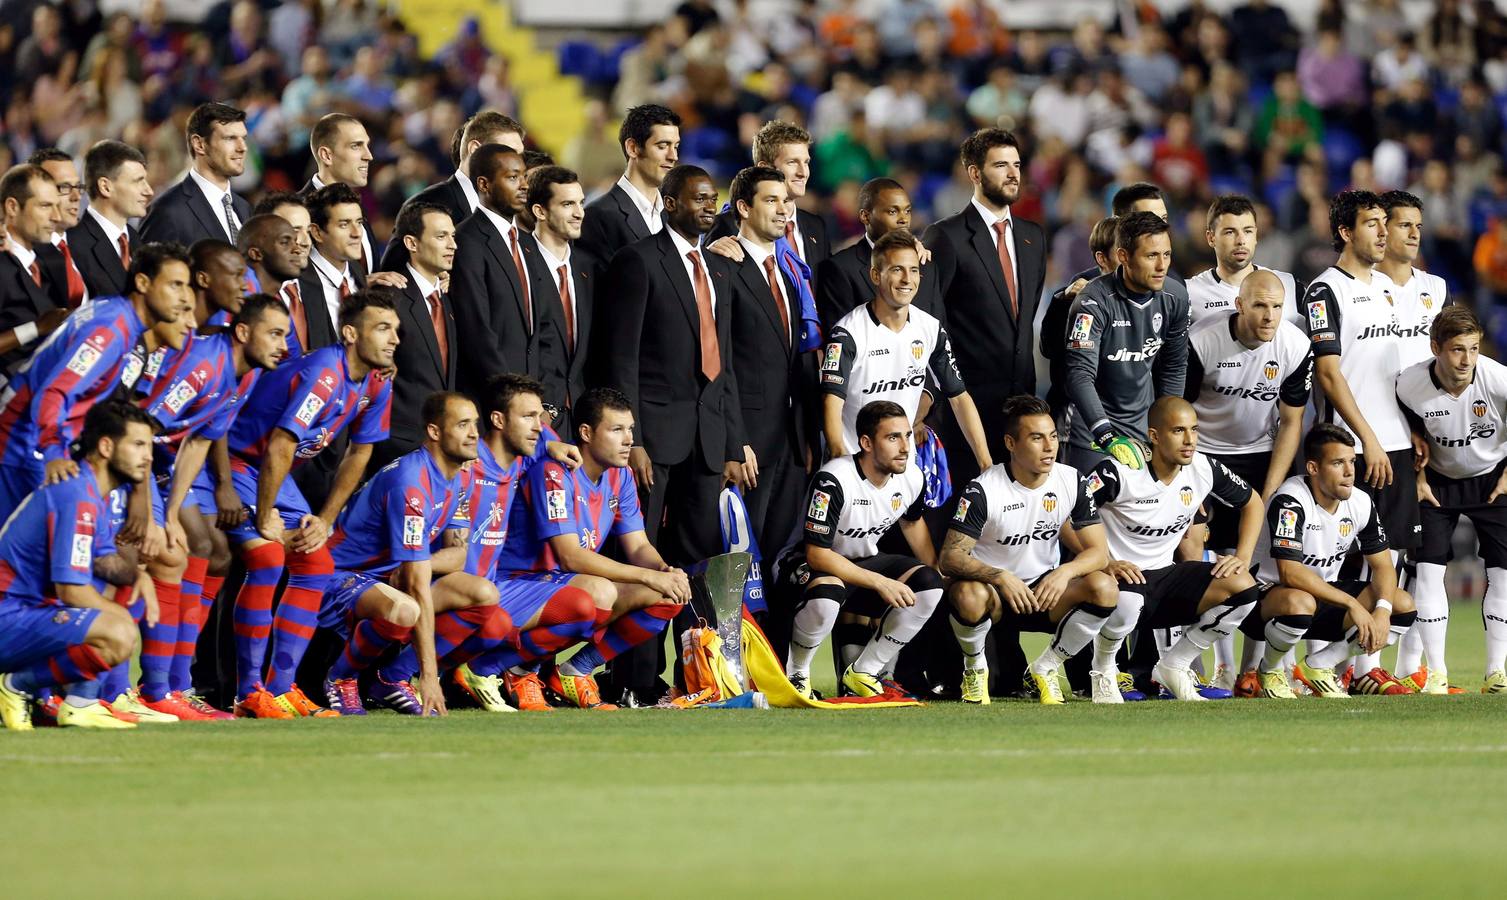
(717, 596)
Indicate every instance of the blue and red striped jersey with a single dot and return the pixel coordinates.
(555, 500)
(489, 500)
(82, 362)
(397, 515)
(196, 390)
(53, 538)
(313, 398)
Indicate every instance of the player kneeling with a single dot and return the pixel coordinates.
(56, 629)
(1146, 512)
(1002, 550)
(854, 501)
(387, 532)
(558, 534)
(1315, 520)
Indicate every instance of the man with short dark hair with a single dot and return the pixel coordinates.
(60, 166)
(115, 178)
(269, 245)
(558, 202)
(842, 280)
(335, 270)
(786, 148)
(632, 210)
(342, 154)
(202, 204)
(1230, 230)
(29, 307)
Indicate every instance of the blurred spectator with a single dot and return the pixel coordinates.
(1288, 127)
(1449, 40)
(1371, 33)
(698, 14)
(242, 55)
(45, 51)
(1177, 164)
(1269, 42)
(1477, 115)
(1490, 262)
(1222, 119)
(640, 69)
(594, 153)
(1331, 78)
(291, 28)
(1147, 66)
(998, 102)
(1400, 63)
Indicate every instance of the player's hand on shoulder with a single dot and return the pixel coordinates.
(388, 279)
(1126, 572)
(51, 321)
(727, 246)
(59, 470)
(567, 455)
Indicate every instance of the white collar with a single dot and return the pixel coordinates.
(755, 252)
(644, 204)
(317, 181)
(990, 218)
(112, 233)
(425, 286)
(469, 189)
(682, 246)
(554, 262)
(23, 255)
(213, 193)
(504, 227)
(326, 268)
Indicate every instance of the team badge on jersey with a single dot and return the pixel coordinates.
(1287, 523)
(917, 350)
(413, 531)
(834, 358)
(962, 514)
(1347, 525)
(84, 358)
(178, 397)
(1270, 370)
(1426, 299)
(896, 501)
(1479, 408)
(131, 373)
(1185, 493)
(1156, 321)
(1318, 315)
(1049, 502)
(60, 617)
(1095, 483)
(554, 505)
(1082, 325)
(307, 410)
(819, 502)
(83, 552)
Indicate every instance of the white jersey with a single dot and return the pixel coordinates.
(1209, 295)
(1298, 529)
(1016, 527)
(1236, 389)
(1357, 322)
(848, 513)
(1467, 434)
(1416, 303)
(1144, 519)
(865, 361)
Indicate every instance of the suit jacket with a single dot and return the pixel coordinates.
(181, 214)
(322, 332)
(21, 301)
(815, 248)
(371, 239)
(420, 372)
(54, 273)
(585, 271)
(995, 349)
(612, 222)
(97, 259)
(771, 372)
(647, 344)
(447, 193)
(493, 336)
(843, 285)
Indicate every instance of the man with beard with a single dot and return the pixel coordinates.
(202, 204)
(1231, 233)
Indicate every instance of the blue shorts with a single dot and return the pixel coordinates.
(522, 594)
(16, 484)
(31, 632)
(118, 499)
(201, 494)
(290, 505)
(341, 597)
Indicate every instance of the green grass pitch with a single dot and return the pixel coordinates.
(1369, 797)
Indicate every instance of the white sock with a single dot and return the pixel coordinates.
(1334, 653)
(1081, 625)
(1494, 613)
(813, 622)
(1224, 652)
(1112, 635)
(971, 640)
(899, 626)
(1427, 638)
(1252, 654)
(1281, 637)
(1218, 621)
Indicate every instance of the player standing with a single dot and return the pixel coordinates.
(1458, 402)
(1232, 235)
(854, 501)
(1417, 296)
(1004, 549)
(294, 413)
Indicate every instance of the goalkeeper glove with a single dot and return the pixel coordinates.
(1126, 450)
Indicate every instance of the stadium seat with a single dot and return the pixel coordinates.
(579, 58)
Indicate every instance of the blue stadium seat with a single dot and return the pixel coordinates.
(1341, 148)
(579, 58)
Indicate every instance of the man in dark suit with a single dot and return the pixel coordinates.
(773, 375)
(342, 155)
(202, 204)
(65, 174)
(842, 280)
(786, 148)
(990, 268)
(665, 341)
(29, 198)
(457, 194)
(115, 175)
(335, 270)
(270, 250)
(504, 298)
(424, 359)
(633, 210)
(558, 203)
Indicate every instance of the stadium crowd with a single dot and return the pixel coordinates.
(436, 416)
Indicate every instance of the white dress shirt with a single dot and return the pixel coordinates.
(112, 233)
(554, 264)
(425, 287)
(469, 189)
(758, 255)
(989, 220)
(216, 197)
(330, 279)
(683, 247)
(651, 210)
(366, 244)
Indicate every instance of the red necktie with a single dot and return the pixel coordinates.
(711, 353)
(36, 273)
(125, 252)
(1006, 265)
(773, 273)
(441, 334)
(790, 238)
(570, 312)
(528, 306)
(296, 313)
(75, 280)
(345, 287)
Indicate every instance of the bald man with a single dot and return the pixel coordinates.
(270, 244)
(1145, 513)
(1249, 376)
